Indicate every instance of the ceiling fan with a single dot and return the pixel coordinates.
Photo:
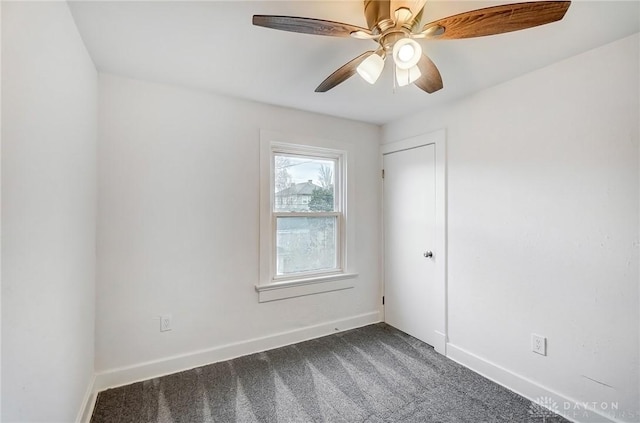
(395, 26)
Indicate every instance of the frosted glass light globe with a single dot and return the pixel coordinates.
(407, 76)
(371, 68)
(406, 53)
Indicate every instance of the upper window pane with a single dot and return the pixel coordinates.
(303, 184)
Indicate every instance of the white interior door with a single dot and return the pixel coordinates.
(412, 300)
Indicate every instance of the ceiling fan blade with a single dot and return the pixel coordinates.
(307, 25)
(343, 73)
(430, 81)
(498, 19)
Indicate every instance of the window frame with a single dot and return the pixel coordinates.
(272, 286)
(338, 157)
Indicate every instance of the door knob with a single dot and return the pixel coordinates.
(428, 254)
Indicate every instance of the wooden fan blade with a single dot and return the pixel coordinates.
(430, 80)
(499, 19)
(342, 74)
(307, 25)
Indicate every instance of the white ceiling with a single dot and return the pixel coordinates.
(212, 45)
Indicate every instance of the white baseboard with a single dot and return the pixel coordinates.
(569, 408)
(441, 343)
(88, 401)
(152, 369)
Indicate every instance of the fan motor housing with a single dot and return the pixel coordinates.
(377, 12)
(389, 39)
(380, 18)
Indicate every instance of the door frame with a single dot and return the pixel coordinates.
(439, 140)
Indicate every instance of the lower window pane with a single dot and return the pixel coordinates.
(305, 244)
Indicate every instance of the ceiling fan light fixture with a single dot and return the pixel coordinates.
(407, 76)
(393, 25)
(406, 53)
(371, 68)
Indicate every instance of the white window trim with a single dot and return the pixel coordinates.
(271, 288)
(339, 156)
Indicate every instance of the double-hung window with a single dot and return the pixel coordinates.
(306, 194)
(303, 219)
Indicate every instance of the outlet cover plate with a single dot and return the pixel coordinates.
(165, 322)
(538, 344)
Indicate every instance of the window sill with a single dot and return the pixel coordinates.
(308, 286)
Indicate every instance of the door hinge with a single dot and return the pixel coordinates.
(382, 173)
(383, 300)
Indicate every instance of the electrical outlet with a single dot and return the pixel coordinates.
(165, 323)
(538, 344)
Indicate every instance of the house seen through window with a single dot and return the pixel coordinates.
(307, 212)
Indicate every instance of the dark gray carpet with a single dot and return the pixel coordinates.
(372, 374)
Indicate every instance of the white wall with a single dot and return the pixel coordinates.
(0, 214)
(49, 133)
(178, 222)
(543, 203)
